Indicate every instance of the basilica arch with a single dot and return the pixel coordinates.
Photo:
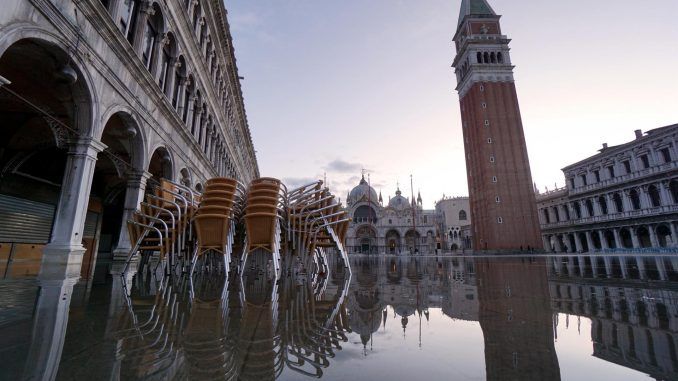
(393, 242)
(366, 240)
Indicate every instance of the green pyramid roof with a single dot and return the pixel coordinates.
(474, 8)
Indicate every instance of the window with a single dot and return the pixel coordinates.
(128, 17)
(583, 179)
(610, 171)
(494, 179)
(596, 173)
(571, 182)
(149, 44)
(483, 105)
(491, 159)
(627, 166)
(487, 122)
(482, 88)
(500, 58)
(489, 140)
(462, 215)
(479, 57)
(645, 160)
(500, 220)
(497, 200)
(390, 221)
(164, 69)
(666, 154)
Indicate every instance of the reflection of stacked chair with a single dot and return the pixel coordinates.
(162, 224)
(264, 212)
(214, 220)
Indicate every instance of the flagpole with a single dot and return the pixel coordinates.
(414, 214)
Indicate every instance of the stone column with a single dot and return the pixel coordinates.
(674, 234)
(626, 200)
(623, 266)
(558, 245)
(63, 255)
(597, 210)
(654, 241)
(589, 242)
(665, 193)
(50, 320)
(134, 194)
(641, 267)
(577, 242)
(617, 238)
(603, 241)
(145, 11)
(634, 238)
(645, 198)
(611, 207)
(661, 268)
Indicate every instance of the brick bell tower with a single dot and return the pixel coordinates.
(503, 206)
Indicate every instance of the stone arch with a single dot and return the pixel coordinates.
(673, 189)
(161, 163)
(186, 177)
(664, 235)
(393, 241)
(635, 198)
(618, 203)
(653, 193)
(643, 236)
(626, 240)
(87, 117)
(138, 151)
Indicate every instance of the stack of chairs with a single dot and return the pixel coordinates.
(317, 222)
(264, 218)
(214, 222)
(162, 226)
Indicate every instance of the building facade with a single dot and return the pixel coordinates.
(623, 198)
(497, 165)
(400, 227)
(99, 98)
(456, 222)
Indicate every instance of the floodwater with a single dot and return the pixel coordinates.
(392, 318)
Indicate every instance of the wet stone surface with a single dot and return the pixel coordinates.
(473, 318)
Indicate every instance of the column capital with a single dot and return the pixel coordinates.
(86, 146)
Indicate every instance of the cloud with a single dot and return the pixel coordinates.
(342, 166)
(294, 182)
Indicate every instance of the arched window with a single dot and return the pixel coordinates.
(635, 199)
(154, 26)
(589, 207)
(486, 58)
(673, 187)
(196, 112)
(479, 57)
(462, 215)
(188, 93)
(128, 19)
(493, 58)
(556, 213)
(618, 204)
(196, 18)
(500, 58)
(654, 196)
(179, 77)
(603, 204)
(577, 210)
(547, 217)
(166, 67)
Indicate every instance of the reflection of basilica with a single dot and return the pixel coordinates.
(402, 226)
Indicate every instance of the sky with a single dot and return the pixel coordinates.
(335, 87)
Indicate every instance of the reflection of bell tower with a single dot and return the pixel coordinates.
(516, 318)
(503, 205)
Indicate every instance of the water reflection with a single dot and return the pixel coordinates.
(519, 318)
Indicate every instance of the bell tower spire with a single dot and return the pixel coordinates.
(503, 205)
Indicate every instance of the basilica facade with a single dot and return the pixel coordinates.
(402, 226)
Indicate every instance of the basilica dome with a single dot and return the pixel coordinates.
(398, 202)
(363, 192)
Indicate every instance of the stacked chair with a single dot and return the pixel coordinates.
(264, 216)
(317, 222)
(161, 226)
(214, 222)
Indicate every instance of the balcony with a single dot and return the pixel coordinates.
(649, 212)
(623, 179)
